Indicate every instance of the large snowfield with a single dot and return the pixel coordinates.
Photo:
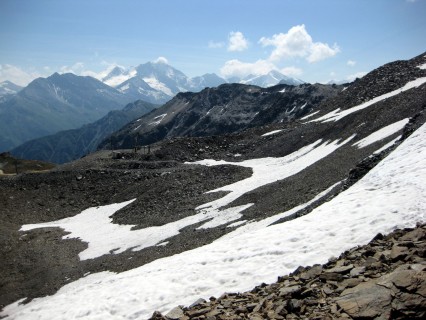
(113, 238)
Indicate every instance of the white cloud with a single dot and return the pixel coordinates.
(216, 45)
(351, 63)
(321, 51)
(236, 68)
(79, 69)
(237, 41)
(291, 71)
(298, 43)
(161, 60)
(352, 77)
(76, 68)
(17, 75)
(411, 1)
(109, 67)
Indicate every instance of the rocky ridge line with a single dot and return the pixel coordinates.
(385, 279)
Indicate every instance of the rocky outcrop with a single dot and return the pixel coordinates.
(385, 279)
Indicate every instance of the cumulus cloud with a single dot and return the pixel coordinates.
(291, 71)
(237, 68)
(298, 43)
(237, 41)
(216, 45)
(161, 60)
(351, 63)
(320, 51)
(17, 75)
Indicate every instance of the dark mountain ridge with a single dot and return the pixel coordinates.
(224, 109)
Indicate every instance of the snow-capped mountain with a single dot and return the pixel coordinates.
(137, 88)
(8, 89)
(157, 82)
(270, 79)
(208, 80)
(162, 77)
(118, 75)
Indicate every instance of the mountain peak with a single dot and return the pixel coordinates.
(8, 89)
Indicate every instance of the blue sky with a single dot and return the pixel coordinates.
(316, 40)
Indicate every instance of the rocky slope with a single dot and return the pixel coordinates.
(385, 279)
(225, 109)
(13, 165)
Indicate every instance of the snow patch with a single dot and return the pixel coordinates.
(162, 244)
(95, 227)
(158, 118)
(117, 80)
(236, 224)
(336, 115)
(271, 133)
(309, 115)
(382, 133)
(160, 86)
(423, 66)
(124, 88)
(387, 145)
(268, 170)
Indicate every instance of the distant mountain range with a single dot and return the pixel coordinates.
(8, 89)
(69, 145)
(59, 102)
(67, 101)
(158, 82)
